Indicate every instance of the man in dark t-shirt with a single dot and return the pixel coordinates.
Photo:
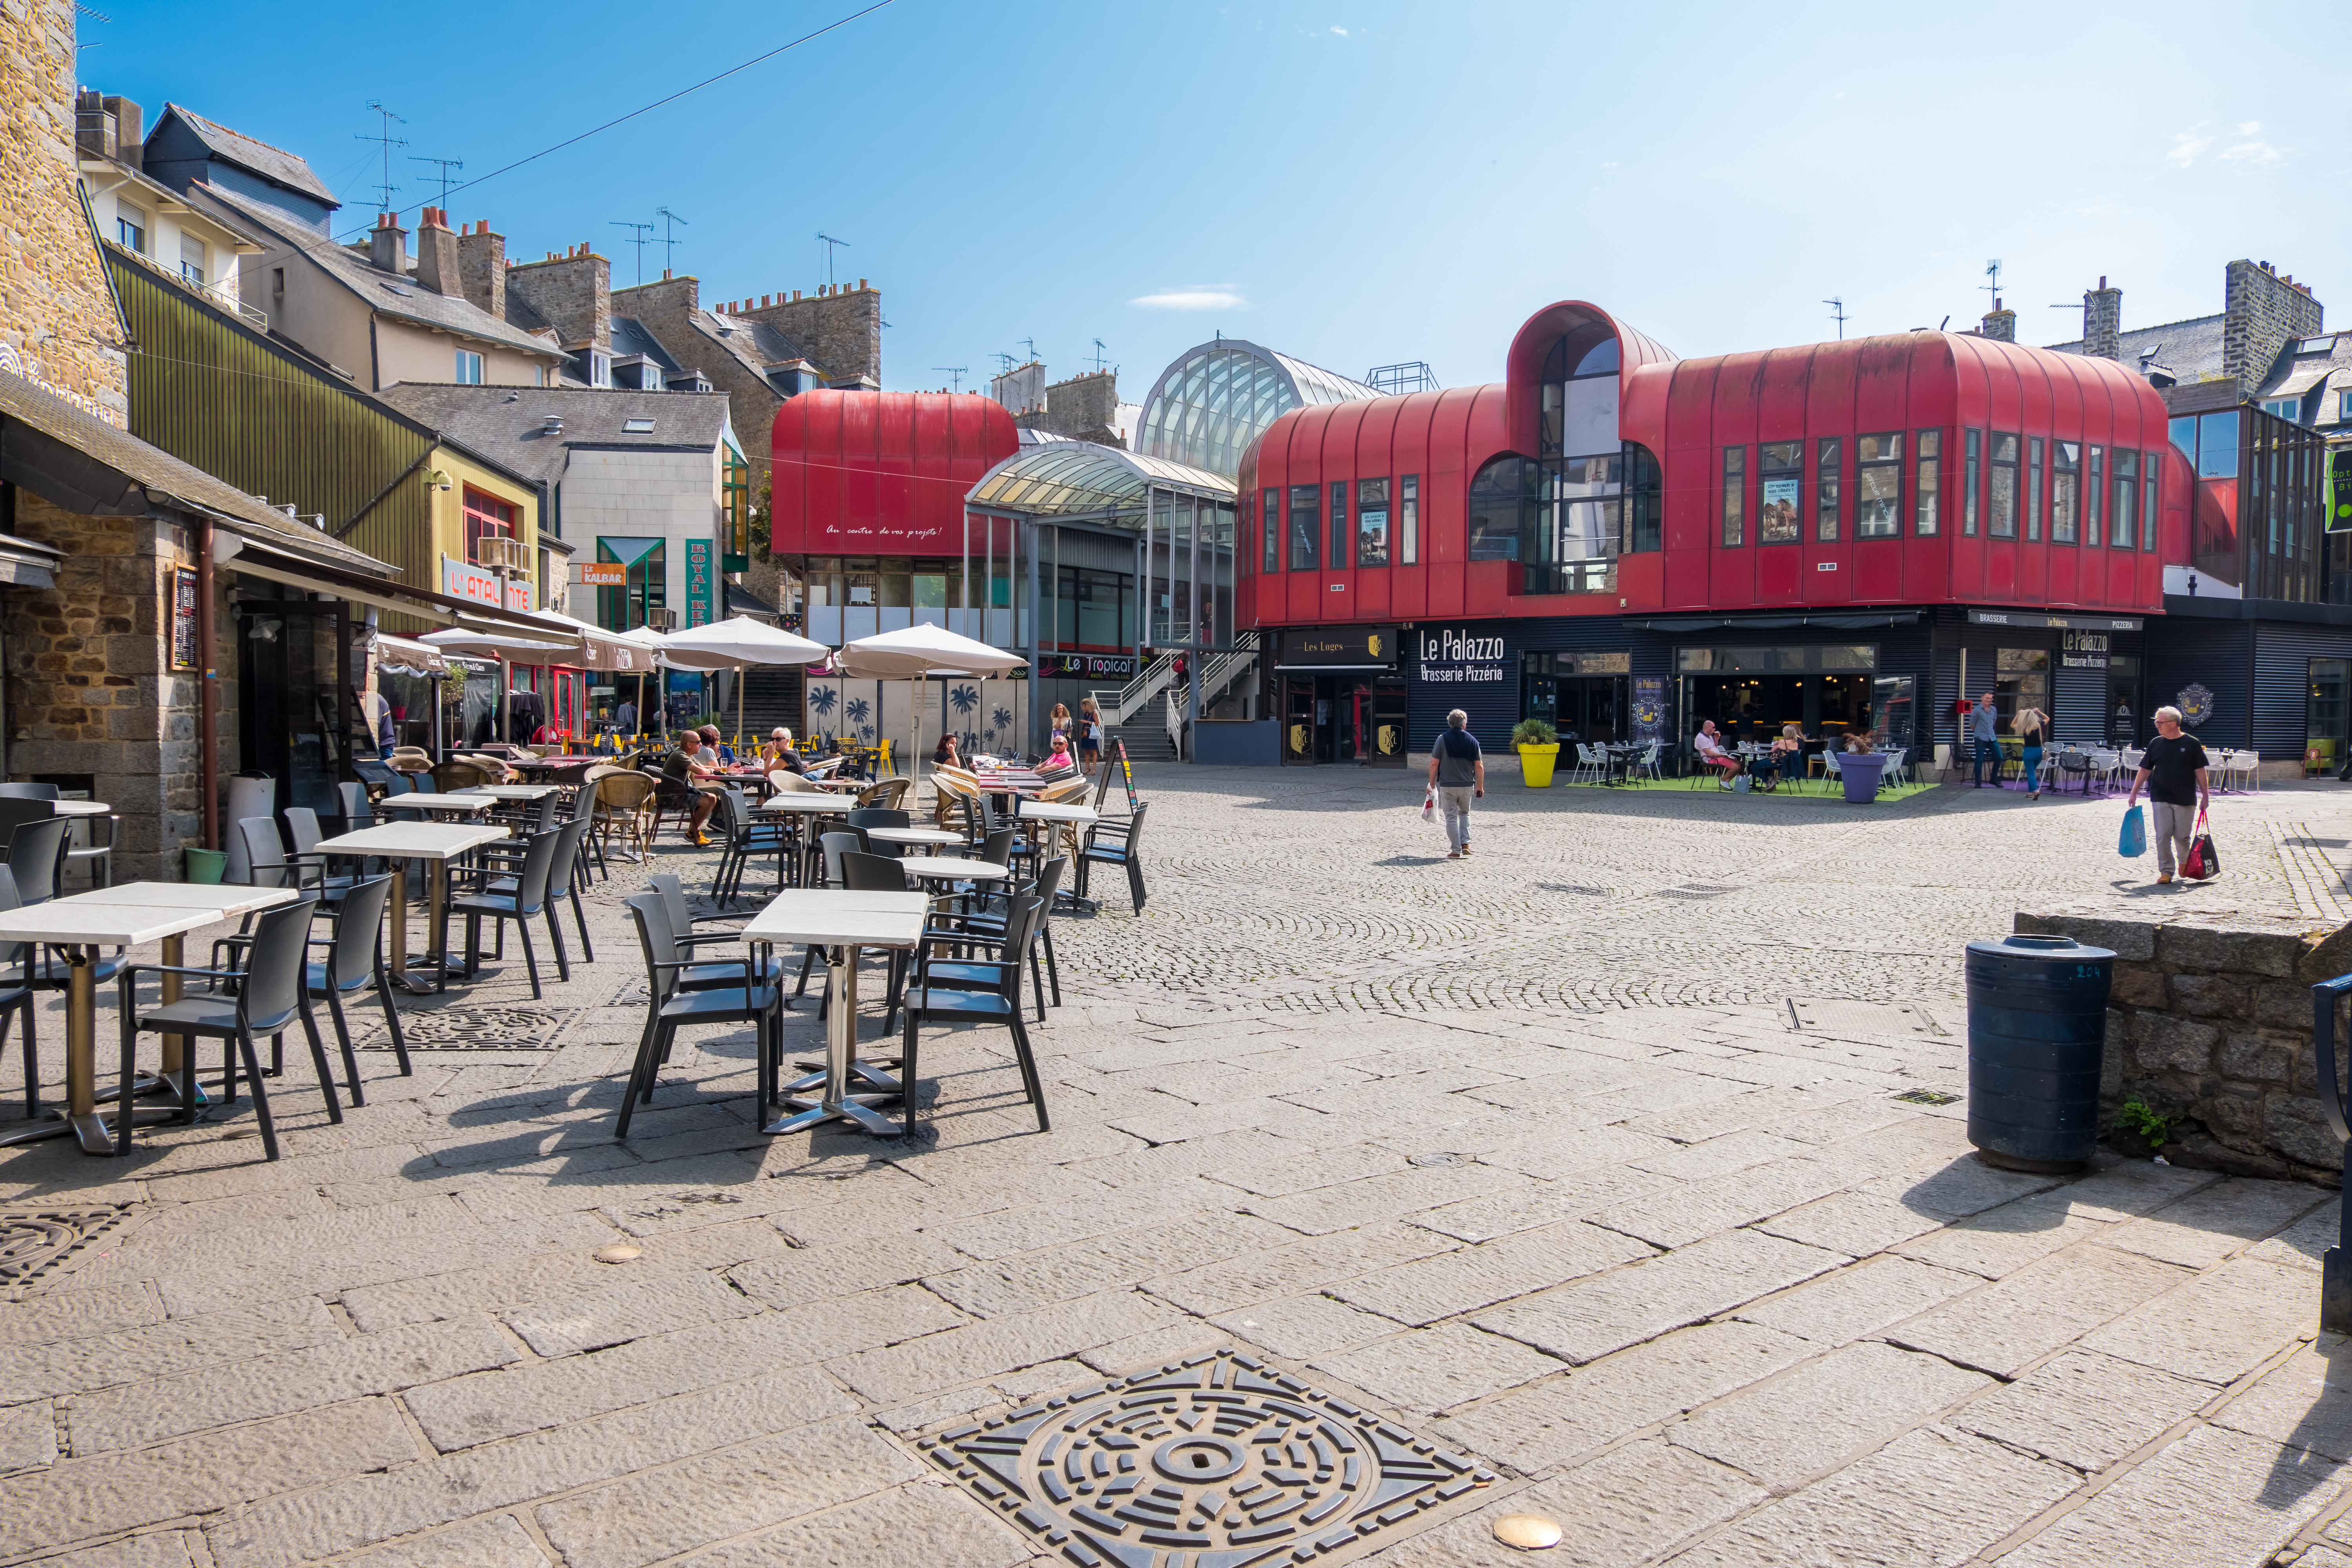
(2179, 791)
(690, 766)
(1457, 775)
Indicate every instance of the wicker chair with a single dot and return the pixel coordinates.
(884, 794)
(462, 773)
(623, 800)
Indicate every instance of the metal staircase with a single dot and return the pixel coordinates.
(1139, 711)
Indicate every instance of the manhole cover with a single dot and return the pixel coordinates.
(32, 1243)
(469, 1029)
(1846, 1017)
(1927, 1097)
(1218, 1461)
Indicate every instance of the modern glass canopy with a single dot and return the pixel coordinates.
(1212, 401)
(1081, 479)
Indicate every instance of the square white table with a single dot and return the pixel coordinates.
(438, 842)
(421, 801)
(842, 923)
(107, 916)
(916, 837)
(516, 792)
(954, 869)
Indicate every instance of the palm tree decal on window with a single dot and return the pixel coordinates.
(1000, 722)
(821, 698)
(857, 710)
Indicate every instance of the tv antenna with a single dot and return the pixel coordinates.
(957, 370)
(1098, 356)
(1029, 344)
(833, 247)
(636, 237)
(1005, 362)
(1992, 271)
(389, 142)
(670, 221)
(447, 165)
(1837, 308)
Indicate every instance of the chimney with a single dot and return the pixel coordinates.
(575, 292)
(482, 268)
(2261, 314)
(436, 254)
(1999, 323)
(388, 246)
(2103, 322)
(130, 131)
(94, 129)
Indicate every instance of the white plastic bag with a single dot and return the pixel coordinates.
(1428, 806)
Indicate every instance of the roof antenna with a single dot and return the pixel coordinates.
(956, 370)
(833, 248)
(637, 238)
(1029, 344)
(669, 233)
(1945, 322)
(1098, 356)
(1837, 308)
(447, 165)
(1005, 362)
(1992, 271)
(389, 142)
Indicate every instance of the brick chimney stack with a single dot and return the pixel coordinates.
(573, 291)
(2103, 322)
(2000, 323)
(436, 254)
(482, 268)
(388, 246)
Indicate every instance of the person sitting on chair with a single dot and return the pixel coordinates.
(778, 756)
(689, 766)
(1709, 747)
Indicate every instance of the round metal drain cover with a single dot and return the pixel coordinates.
(1527, 1532)
(1440, 1158)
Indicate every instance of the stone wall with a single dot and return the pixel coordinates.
(88, 690)
(667, 308)
(2212, 1023)
(482, 268)
(57, 320)
(1084, 408)
(1999, 323)
(2103, 322)
(839, 331)
(2261, 312)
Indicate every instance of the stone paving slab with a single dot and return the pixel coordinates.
(1548, 1178)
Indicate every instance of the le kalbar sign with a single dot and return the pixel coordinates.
(698, 579)
(1452, 657)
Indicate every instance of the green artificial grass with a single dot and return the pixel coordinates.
(1811, 790)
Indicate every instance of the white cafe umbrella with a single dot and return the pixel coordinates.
(510, 650)
(734, 642)
(915, 652)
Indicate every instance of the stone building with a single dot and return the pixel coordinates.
(1085, 407)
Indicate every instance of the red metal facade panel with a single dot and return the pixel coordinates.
(881, 472)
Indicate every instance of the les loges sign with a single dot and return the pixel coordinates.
(1456, 657)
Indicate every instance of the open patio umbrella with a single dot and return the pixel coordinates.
(733, 642)
(507, 649)
(915, 652)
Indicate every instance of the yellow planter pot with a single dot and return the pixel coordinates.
(1536, 763)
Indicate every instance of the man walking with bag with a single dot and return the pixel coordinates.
(1984, 729)
(2173, 770)
(1457, 771)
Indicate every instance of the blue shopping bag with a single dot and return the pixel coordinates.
(2133, 842)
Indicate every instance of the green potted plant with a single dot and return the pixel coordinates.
(1537, 744)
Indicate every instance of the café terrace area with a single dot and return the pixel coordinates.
(1356, 1199)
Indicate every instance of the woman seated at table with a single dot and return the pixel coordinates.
(778, 756)
(1788, 756)
(944, 753)
(1709, 749)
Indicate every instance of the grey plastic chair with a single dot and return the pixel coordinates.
(355, 961)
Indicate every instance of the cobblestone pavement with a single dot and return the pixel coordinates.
(1573, 1180)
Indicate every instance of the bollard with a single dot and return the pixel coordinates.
(2336, 1270)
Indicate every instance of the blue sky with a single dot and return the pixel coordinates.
(1352, 183)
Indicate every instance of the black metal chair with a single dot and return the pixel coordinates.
(260, 1001)
(28, 792)
(355, 961)
(704, 973)
(1116, 844)
(671, 1008)
(564, 878)
(302, 826)
(744, 837)
(969, 991)
(36, 851)
(867, 817)
(525, 903)
(16, 996)
(832, 847)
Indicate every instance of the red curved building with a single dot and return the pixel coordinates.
(1838, 535)
(881, 473)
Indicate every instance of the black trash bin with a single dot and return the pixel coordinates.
(2037, 1029)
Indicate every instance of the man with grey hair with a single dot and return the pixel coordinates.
(1457, 771)
(2178, 790)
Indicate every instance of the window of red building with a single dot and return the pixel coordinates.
(1409, 521)
(1734, 492)
(1269, 528)
(2002, 523)
(2033, 489)
(1927, 489)
(1779, 470)
(1305, 511)
(2065, 490)
(1827, 517)
(2124, 535)
(1878, 485)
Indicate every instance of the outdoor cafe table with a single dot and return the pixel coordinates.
(421, 800)
(934, 838)
(122, 916)
(515, 791)
(1066, 814)
(89, 808)
(954, 869)
(398, 843)
(842, 923)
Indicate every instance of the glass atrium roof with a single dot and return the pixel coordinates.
(1212, 401)
(1068, 479)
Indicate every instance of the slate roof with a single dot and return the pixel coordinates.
(2327, 369)
(275, 164)
(2187, 351)
(507, 424)
(167, 479)
(411, 302)
(630, 337)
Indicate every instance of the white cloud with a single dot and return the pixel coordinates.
(1342, 32)
(2187, 144)
(2251, 128)
(1194, 297)
(2251, 155)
